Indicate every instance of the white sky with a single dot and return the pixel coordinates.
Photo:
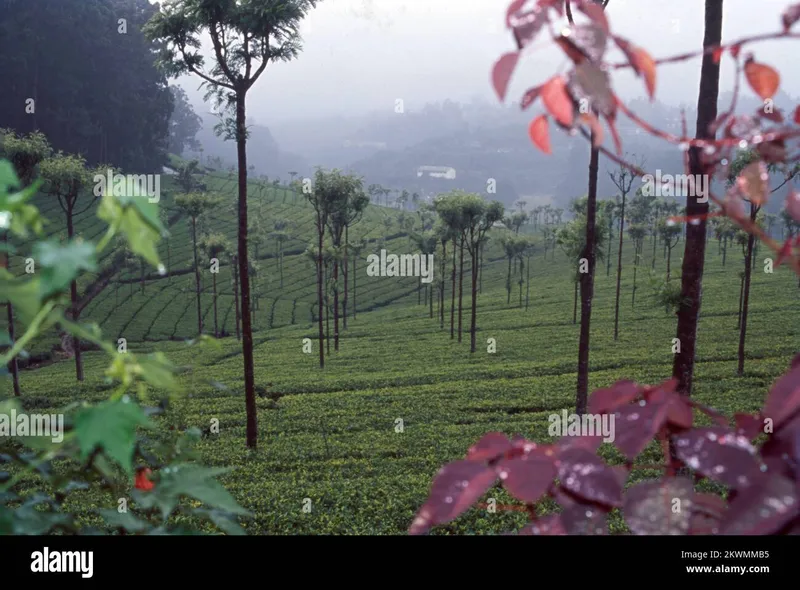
(362, 55)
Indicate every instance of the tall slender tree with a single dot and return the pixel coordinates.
(245, 36)
(695, 241)
(194, 205)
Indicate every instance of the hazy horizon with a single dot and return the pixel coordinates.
(362, 55)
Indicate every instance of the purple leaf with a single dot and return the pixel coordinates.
(611, 398)
(719, 454)
(490, 446)
(456, 487)
(528, 477)
(581, 519)
(636, 425)
(763, 508)
(659, 507)
(586, 476)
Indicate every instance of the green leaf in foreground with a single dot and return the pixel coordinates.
(111, 426)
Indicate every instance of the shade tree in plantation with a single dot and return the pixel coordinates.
(513, 246)
(245, 38)
(194, 205)
(214, 246)
(70, 182)
(670, 233)
(347, 203)
(280, 234)
(477, 218)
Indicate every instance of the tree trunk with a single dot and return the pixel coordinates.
(655, 243)
(480, 271)
(336, 304)
(453, 295)
(619, 268)
(196, 276)
(575, 303)
(695, 242)
(327, 313)
(320, 236)
(748, 268)
(460, 286)
(474, 257)
(587, 287)
(214, 289)
(429, 293)
(244, 272)
(236, 296)
(441, 288)
(355, 272)
(610, 237)
(635, 268)
(741, 296)
(344, 278)
(508, 284)
(724, 250)
(73, 290)
(528, 284)
(669, 260)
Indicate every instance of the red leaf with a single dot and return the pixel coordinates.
(611, 121)
(611, 398)
(530, 97)
(573, 51)
(501, 73)
(646, 65)
(456, 487)
(527, 478)
(717, 54)
(679, 412)
(547, 525)
(650, 507)
(763, 79)
(735, 50)
(539, 132)
(753, 182)
(748, 425)
(797, 115)
(586, 476)
(490, 446)
(719, 454)
(793, 204)
(641, 62)
(784, 398)
(589, 443)
(763, 508)
(636, 426)
(557, 102)
(790, 16)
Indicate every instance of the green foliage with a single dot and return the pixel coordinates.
(88, 446)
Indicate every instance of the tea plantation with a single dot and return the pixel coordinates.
(353, 448)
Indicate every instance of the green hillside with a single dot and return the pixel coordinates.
(363, 438)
